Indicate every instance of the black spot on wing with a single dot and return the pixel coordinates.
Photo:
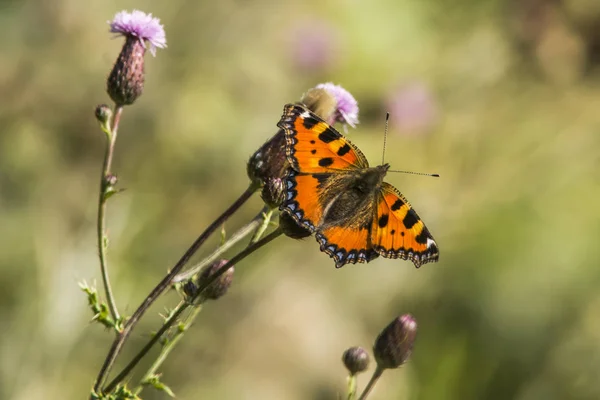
(422, 237)
(322, 178)
(327, 136)
(410, 219)
(344, 150)
(383, 221)
(309, 122)
(397, 205)
(326, 161)
(313, 151)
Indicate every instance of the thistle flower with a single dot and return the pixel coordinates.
(412, 108)
(126, 80)
(313, 45)
(346, 104)
(394, 344)
(356, 359)
(330, 102)
(321, 102)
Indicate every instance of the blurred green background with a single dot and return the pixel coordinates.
(501, 98)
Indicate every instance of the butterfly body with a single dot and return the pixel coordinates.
(332, 191)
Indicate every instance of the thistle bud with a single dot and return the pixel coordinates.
(103, 113)
(356, 359)
(269, 161)
(189, 288)
(219, 287)
(290, 228)
(273, 192)
(111, 180)
(394, 344)
(126, 80)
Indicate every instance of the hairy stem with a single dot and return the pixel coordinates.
(164, 285)
(111, 136)
(183, 306)
(374, 378)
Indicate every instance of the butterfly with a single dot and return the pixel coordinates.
(331, 191)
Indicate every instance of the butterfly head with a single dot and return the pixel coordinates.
(371, 178)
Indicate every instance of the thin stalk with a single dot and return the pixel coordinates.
(111, 136)
(374, 378)
(169, 346)
(267, 214)
(219, 251)
(164, 285)
(183, 306)
(351, 387)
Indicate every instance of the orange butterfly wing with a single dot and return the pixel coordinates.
(302, 200)
(312, 146)
(347, 245)
(398, 232)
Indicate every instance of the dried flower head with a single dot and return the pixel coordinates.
(356, 359)
(394, 344)
(346, 104)
(219, 287)
(126, 80)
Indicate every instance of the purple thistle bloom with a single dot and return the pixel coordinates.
(413, 109)
(140, 25)
(314, 45)
(347, 106)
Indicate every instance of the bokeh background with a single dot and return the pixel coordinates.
(501, 98)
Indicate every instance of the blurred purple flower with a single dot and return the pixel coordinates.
(347, 106)
(140, 25)
(313, 45)
(412, 108)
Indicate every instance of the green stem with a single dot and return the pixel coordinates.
(169, 346)
(101, 223)
(374, 378)
(267, 214)
(351, 387)
(219, 251)
(177, 312)
(163, 285)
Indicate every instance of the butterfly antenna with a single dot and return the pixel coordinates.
(416, 173)
(387, 118)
